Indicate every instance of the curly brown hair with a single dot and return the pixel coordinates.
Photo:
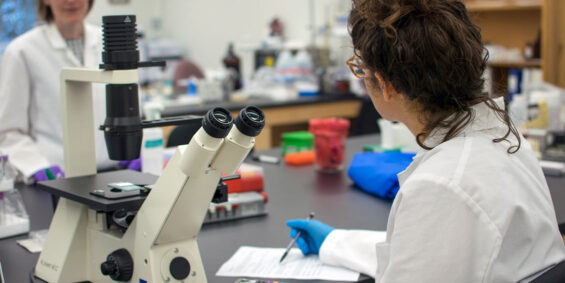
(44, 11)
(430, 51)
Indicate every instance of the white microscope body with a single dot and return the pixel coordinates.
(165, 228)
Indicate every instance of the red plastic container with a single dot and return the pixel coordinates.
(329, 142)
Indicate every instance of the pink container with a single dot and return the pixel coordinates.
(329, 142)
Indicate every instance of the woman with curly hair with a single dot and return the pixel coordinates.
(474, 205)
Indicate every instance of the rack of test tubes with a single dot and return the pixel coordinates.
(246, 197)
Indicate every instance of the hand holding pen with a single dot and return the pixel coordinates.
(308, 234)
(294, 239)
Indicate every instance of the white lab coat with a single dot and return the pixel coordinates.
(466, 211)
(30, 109)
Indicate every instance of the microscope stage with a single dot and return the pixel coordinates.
(79, 189)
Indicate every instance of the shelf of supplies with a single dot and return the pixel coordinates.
(502, 5)
(535, 63)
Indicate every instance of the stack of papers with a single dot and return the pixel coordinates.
(264, 263)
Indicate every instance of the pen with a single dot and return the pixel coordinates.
(2, 275)
(49, 174)
(293, 241)
(266, 159)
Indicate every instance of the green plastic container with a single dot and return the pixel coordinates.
(297, 142)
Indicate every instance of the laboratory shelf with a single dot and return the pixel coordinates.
(508, 5)
(535, 63)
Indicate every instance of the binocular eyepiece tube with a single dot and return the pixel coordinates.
(218, 122)
(220, 145)
(250, 121)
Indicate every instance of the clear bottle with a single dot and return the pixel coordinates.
(303, 62)
(8, 174)
(265, 76)
(14, 219)
(152, 150)
(285, 63)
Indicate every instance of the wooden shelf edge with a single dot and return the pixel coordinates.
(515, 64)
(503, 5)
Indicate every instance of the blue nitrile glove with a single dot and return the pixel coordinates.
(131, 164)
(313, 234)
(49, 173)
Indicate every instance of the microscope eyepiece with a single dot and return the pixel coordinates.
(250, 121)
(217, 122)
(221, 117)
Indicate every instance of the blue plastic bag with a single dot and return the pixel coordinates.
(375, 172)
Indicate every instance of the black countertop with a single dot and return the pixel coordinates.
(293, 193)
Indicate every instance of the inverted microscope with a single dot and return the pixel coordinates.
(103, 231)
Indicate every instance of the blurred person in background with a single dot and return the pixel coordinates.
(30, 113)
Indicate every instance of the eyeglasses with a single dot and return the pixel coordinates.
(356, 66)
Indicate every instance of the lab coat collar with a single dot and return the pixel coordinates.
(91, 40)
(484, 118)
(402, 176)
(55, 37)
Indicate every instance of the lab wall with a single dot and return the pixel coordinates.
(148, 12)
(204, 28)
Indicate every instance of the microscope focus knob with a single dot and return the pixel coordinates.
(118, 265)
(179, 268)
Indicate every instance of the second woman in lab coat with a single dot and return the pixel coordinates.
(30, 109)
(474, 205)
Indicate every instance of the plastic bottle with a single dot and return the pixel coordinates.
(192, 87)
(286, 73)
(396, 136)
(265, 75)
(7, 174)
(231, 62)
(306, 83)
(303, 62)
(285, 63)
(514, 82)
(14, 219)
(518, 109)
(152, 149)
